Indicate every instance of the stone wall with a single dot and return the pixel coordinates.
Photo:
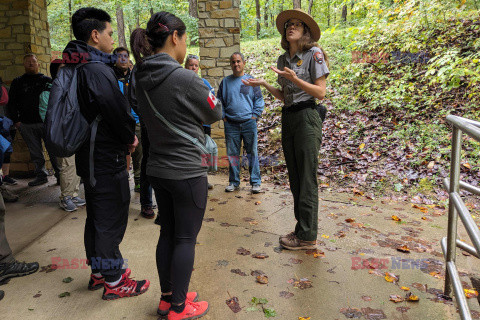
(219, 37)
(23, 29)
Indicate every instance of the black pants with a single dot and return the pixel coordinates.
(107, 217)
(181, 211)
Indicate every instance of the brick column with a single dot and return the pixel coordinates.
(219, 33)
(23, 29)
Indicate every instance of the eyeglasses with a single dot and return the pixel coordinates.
(192, 56)
(295, 24)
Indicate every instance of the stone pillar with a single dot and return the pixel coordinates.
(219, 37)
(23, 29)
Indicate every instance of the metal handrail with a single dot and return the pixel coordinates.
(457, 208)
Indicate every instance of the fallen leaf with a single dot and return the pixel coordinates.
(410, 297)
(396, 298)
(390, 277)
(263, 279)
(470, 293)
(37, 295)
(431, 164)
(361, 146)
(302, 284)
(260, 255)
(423, 209)
(349, 220)
(316, 253)
(419, 286)
(64, 294)
(67, 280)
(286, 294)
(396, 218)
(325, 236)
(243, 252)
(239, 272)
(295, 261)
(366, 298)
(402, 309)
(467, 165)
(357, 192)
(405, 288)
(303, 318)
(258, 202)
(373, 314)
(233, 304)
(351, 313)
(257, 273)
(403, 248)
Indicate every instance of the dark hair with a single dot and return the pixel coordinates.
(304, 43)
(120, 49)
(54, 67)
(237, 54)
(85, 20)
(143, 42)
(191, 57)
(30, 55)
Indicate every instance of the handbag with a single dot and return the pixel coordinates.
(210, 149)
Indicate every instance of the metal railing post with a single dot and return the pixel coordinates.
(452, 212)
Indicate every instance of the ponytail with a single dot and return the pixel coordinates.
(144, 42)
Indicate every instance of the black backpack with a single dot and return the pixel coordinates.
(66, 128)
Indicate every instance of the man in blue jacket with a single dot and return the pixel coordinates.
(242, 106)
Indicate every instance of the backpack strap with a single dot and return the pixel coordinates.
(175, 129)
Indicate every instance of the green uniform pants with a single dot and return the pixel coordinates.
(301, 139)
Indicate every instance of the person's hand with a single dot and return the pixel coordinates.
(17, 124)
(254, 82)
(131, 147)
(225, 119)
(287, 73)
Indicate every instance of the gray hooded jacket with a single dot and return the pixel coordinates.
(185, 101)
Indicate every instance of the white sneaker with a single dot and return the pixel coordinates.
(231, 187)
(256, 188)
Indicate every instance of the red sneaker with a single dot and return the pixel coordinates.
(164, 306)
(193, 310)
(96, 283)
(125, 288)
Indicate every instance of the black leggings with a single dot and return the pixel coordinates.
(181, 209)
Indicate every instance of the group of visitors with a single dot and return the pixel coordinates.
(161, 104)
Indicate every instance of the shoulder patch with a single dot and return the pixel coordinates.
(318, 57)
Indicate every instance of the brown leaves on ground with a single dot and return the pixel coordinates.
(390, 277)
(49, 268)
(423, 209)
(404, 249)
(395, 218)
(470, 293)
(295, 261)
(368, 313)
(243, 252)
(316, 253)
(302, 284)
(233, 304)
(239, 272)
(286, 294)
(396, 298)
(260, 255)
(411, 297)
(262, 279)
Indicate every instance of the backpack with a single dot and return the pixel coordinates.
(66, 128)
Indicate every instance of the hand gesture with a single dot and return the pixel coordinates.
(287, 73)
(253, 82)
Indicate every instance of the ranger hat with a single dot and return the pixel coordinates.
(301, 15)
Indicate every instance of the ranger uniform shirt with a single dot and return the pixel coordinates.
(308, 65)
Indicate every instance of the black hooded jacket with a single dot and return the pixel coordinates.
(99, 93)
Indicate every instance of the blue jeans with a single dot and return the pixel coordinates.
(234, 134)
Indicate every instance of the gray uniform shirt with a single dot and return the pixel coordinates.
(308, 65)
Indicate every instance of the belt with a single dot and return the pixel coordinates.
(299, 106)
(237, 121)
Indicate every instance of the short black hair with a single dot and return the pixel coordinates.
(120, 49)
(85, 20)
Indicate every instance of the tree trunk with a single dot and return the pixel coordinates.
(257, 5)
(334, 14)
(344, 13)
(265, 14)
(137, 14)
(70, 18)
(192, 8)
(328, 14)
(310, 5)
(151, 7)
(121, 27)
(297, 4)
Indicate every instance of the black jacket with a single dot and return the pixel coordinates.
(99, 93)
(24, 97)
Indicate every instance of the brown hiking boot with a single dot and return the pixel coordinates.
(287, 236)
(293, 243)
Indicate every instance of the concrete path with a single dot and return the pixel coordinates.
(350, 229)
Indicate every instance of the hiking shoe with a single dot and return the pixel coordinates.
(164, 306)
(193, 310)
(79, 201)
(287, 236)
(231, 187)
(125, 288)
(147, 212)
(210, 186)
(67, 204)
(16, 269)
(293, 243)
(38, 181)
(9, 180)
(7, 195)
(96, 283)
(256, 189)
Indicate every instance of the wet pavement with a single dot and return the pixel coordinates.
(335, 282)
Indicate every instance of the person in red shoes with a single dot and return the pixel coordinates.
(174, 103)
(103, 169)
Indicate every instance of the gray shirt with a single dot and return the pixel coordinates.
(308, 65)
